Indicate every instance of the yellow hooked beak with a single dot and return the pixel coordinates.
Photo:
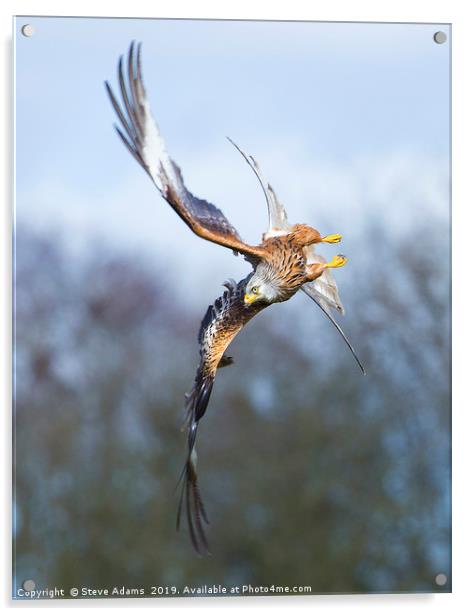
(249, 298)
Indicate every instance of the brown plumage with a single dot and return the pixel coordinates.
(284, 262)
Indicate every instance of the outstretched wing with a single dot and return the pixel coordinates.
(140, 134)
(323, 290)
(222, 322)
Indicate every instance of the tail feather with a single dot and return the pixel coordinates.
(190, 497)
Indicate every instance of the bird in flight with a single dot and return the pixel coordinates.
(282, 264)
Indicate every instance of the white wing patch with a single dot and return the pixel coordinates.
(140, 134)
(324, 289)
(153, 152)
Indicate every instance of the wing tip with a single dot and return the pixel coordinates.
(232, 142)
(190, 499)
(326, 311)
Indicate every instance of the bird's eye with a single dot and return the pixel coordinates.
(254, 290)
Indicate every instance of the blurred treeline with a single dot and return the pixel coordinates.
(312, 474)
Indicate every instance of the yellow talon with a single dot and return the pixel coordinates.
(337, 261)
(332, 239)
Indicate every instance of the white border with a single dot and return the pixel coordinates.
(451, 11)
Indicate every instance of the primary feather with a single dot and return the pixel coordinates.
(140, 134)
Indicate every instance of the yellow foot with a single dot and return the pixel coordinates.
(332, 239)
(337, 261)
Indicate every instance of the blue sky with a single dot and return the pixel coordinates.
(348, 121)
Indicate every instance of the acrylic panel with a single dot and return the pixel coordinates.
(315, 477)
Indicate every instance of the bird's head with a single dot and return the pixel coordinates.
(260, 288)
